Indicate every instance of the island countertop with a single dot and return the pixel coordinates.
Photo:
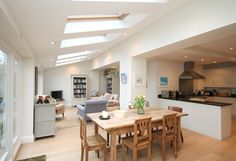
(205, 102)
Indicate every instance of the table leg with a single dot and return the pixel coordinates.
(113, 146)
(179, 142)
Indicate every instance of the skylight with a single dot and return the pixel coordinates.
(147, 1)
(88, 40)
(72, 59)
(75, 61)
(76, 54)
(97, 25)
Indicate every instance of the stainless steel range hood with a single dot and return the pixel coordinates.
(189, 72)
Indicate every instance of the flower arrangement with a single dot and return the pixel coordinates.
(139, 102)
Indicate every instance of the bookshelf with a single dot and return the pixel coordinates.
(79, 89)
(109, 85)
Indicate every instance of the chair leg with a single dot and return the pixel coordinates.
(82, 153)
(135, 154)
(98, 153)
(182, 138)
(119, 139)
(123, 152)
(63, 115)
(105, 153)
(86, 155)
(163, 150)
(175, 148)
(150, 152)
(108, 138)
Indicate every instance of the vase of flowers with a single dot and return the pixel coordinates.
(139, 102)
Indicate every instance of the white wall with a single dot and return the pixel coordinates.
(102, 82)
(157, 68)
(183, 28)
(28, 100)
(221, 77)
(199, 84)
(59, 78)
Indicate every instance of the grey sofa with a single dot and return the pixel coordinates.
(91, 106)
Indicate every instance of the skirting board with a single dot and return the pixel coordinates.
(27, 139)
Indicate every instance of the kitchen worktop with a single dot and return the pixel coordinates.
(199, 101)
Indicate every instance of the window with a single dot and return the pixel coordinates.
(3, 104)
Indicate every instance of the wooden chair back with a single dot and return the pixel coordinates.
(169, 126)
(175, 108)
(83, 131)
(142, 130)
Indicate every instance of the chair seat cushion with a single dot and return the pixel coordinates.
(96, 140)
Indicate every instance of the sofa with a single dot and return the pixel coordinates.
(91, 106)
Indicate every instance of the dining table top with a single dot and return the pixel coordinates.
(131, 115)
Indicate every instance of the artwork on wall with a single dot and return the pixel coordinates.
(123, 78)
(139, 80)
(164, 81)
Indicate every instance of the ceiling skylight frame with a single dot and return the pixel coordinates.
(77, 18)
(126, 1)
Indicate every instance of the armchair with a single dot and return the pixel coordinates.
(91, 106)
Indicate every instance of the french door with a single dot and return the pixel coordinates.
(4, 131)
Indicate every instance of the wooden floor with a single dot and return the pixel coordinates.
(65, 146)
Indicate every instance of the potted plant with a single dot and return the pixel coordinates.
(139, 102)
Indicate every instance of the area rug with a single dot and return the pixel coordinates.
(38, 158)
(70, 119)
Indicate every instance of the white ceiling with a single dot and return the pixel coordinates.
(215, 51)
(44, 21)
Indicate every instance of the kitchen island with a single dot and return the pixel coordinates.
(206, 117)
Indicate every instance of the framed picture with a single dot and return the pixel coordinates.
(139, 80)
(123, 78)
(164, 81)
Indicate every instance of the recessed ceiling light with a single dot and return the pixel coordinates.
(202, 59)
(214, 62)
(51, 59)
(185, 56)
(125, 34)
(231, 48)
(75, 54)
(52, 42)
(88, 40)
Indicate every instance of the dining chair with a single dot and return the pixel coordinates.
(168, 133)
(90, 143)
(177, 109)
(141, 138)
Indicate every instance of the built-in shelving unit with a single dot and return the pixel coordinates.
(109, 85)
(79, 89)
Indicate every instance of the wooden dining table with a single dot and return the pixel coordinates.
(117, 126)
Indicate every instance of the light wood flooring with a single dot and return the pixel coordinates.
(65, 146)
